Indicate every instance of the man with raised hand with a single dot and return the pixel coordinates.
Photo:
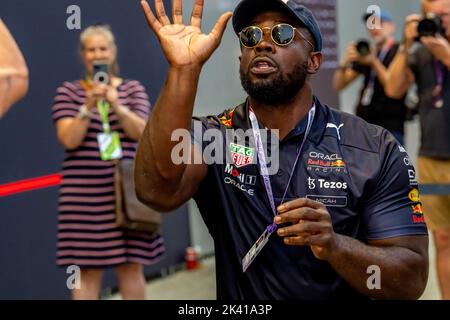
(341, 204)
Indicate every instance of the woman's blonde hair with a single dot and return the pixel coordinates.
(105, 31)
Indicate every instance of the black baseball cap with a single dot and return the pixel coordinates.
(246, 10)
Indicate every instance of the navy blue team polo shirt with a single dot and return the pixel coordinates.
(358, 170)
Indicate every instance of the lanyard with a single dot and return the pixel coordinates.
(383, 53)
(439, 70)
(103, 109)
(263, 161)
(438, 101)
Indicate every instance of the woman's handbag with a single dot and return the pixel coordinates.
(130, 212)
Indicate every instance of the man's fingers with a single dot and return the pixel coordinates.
(413, 18)
(307, 240)
(298, 203)
(197, 13)
(429, 42)
(151, 20)
(177, 12)
(297, 214)
(219, 28)
(161, 13)
(302, 229)
(425, 40)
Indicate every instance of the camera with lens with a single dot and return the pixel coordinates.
(101, 72)
(363, 47)
(430, 26)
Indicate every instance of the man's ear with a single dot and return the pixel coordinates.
(314, 63)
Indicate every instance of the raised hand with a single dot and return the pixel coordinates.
(439, 47)
(184, 45)
(351, 54)
(410, 30)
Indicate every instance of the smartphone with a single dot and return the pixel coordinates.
(101, 72)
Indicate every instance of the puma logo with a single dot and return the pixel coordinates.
(332, 125)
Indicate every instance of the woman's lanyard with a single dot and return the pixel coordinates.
(103, 110)
(264, 238)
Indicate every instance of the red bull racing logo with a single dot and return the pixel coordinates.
(418, 213)
(227, 120)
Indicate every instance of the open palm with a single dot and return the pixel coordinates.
(184, 45)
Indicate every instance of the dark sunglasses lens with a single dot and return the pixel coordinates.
(283, 34)
(251, 36)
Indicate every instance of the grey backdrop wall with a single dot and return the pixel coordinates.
(28, 146)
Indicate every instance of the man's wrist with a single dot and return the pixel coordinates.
(375, 62)
(337, 248)
(405, 47)
(344, 66)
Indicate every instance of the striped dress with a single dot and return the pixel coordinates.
(87, 234)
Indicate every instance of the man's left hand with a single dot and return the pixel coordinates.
(311, 226)
(439, 47)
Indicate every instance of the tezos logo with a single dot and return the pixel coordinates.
(323, 184)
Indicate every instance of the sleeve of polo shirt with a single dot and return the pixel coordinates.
(198, 128)
(199, 125)
(393, 207)
(66, 103)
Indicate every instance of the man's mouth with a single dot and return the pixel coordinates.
(262, 65)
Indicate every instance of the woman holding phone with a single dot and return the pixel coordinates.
(97, 122)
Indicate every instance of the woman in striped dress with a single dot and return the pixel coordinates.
(87, 234)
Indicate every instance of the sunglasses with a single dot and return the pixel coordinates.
(282, 35)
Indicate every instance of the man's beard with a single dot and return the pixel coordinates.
(279, 90)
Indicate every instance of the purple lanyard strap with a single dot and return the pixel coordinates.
(381, 57)
(263, 161)
(439, 72)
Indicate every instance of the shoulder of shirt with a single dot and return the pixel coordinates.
(348, 130)
(130, 83)
(74, 85)
(355, 132)
(224, 119)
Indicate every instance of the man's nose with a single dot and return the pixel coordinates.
(266, 44)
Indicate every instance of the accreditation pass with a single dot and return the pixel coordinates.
(256, 248)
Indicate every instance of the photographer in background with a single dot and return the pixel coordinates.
(13, 71)
(361, 59)
(424, 59)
